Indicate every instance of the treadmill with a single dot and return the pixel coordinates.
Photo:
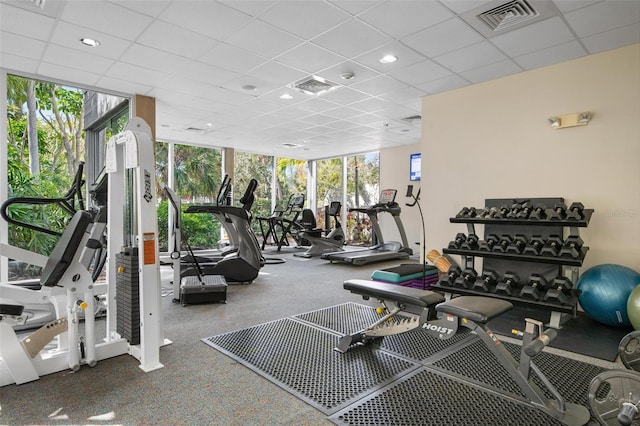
(382, 250)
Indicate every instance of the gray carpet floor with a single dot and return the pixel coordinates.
(198, 385)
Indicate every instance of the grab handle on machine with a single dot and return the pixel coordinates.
(537, 345)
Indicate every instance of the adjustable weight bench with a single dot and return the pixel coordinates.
(472, 312)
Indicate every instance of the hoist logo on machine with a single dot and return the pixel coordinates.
(438, 329)
(147, 186)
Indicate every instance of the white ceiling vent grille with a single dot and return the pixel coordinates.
(509, 14)
(314, 86)
(500, 17)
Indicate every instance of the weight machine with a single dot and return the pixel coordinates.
(67, 283)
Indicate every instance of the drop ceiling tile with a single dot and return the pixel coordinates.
(345, 96)
(243, 83)
(371, 120)
(370, 105)
(123, 86)
(18, 63)
(73, 77)
(404, 96)
(15, 20)
(461, 6)
(355, 7)
(309, 58)
(174, 39)
(379, 85)
(443, 84)
(151, 8)
(209, 18)
(305, 19)
(360, 72)
(148, 57)
(405, 55)
(343, 112)
(316, 105)
(565, 6)
(603, 16)
(340, 124)
(137, 74)
(233, 58)
(263, 39)
(474, 56)
(401, 18)
(205, 73)
(551, 55)
(277, 73)
(351, 38)
(420, 72)
(491, 72)
(106, 17)
(18, 45)
(250, 7)
(536, 36)
(613, 39)
(317, 119)
(76, 60)
(443, 38)
(69, 35)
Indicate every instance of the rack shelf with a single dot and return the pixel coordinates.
(549, 260)
(544, 222)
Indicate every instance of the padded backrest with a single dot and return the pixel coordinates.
(308, 219)
(65, 250)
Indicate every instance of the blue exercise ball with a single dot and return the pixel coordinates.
(605, 290)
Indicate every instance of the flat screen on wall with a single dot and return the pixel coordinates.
(415, 166)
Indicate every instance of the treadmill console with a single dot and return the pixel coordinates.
(387, 196)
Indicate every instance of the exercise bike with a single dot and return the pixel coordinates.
(331, 243)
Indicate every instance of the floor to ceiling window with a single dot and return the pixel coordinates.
(363, 189)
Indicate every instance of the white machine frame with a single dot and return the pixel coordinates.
(132, 150)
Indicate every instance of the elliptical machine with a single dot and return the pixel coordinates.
(331, 243)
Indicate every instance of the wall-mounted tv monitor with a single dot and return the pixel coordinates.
(415, 167)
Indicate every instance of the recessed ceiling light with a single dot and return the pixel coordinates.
(90, 42)
(286, 96)
(388, 59)
(347, 75)
(209, 124)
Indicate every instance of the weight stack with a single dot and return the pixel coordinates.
(128, 295)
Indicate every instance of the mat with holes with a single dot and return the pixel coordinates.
(411, 378)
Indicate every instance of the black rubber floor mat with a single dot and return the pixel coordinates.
(300, 358)
(425, 397)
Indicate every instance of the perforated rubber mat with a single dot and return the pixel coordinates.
(300, 358)
(409, 379)
(428, 398)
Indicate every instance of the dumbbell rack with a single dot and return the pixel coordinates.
(524, 264)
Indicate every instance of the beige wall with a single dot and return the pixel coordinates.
(492, 140)
(394, 173)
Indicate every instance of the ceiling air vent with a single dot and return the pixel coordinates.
(290, 145)
(195, 130)
(500, 17)
(314, 86)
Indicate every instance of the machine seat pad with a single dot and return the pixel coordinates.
(397, 293)
(475, 308)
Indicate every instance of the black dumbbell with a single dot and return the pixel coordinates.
(488, 279)
(552, 247)
(472, 212)
(487, 245)
(509, 283)
(559, 211)
(463, 212)
(527, 208)
(539, 212)
(484, 213)
(571, 247)
(449, 279)
(466, 279)
(502, 212)
(536, 243)
(502, 245)
(558, 291)
(516, 208)
(535, 288)
(575, 211)
(457, 242)
(518, 245)
(471, 243)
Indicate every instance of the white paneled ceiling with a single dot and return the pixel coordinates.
(222, 66)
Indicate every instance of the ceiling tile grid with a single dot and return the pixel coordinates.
(221, 68)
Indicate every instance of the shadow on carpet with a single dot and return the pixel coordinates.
(411, 378)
